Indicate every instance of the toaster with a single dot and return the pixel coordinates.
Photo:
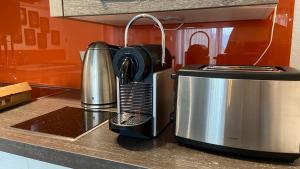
(245, 110)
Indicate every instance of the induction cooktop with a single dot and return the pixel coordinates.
(68, 122)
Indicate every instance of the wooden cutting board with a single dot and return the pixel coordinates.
(14, 94)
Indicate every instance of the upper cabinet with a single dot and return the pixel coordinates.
(118, 12)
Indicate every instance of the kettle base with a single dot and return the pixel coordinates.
(236, 152)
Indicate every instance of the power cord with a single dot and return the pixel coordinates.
(271, 38)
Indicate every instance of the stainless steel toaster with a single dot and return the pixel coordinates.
(245, 110)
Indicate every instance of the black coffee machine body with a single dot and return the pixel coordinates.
(144, 88)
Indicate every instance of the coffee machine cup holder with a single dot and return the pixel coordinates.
(131, 124)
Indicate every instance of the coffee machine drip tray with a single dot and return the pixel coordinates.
(130, 119)
(68, 122)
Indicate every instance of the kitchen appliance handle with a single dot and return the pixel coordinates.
(208, 40)
(163, 36)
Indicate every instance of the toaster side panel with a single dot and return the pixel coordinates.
(260, 115)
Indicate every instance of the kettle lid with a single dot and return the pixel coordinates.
(98, 45)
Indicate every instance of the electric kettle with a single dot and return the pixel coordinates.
(98, 85)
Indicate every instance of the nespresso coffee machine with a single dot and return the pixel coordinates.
(144, 88)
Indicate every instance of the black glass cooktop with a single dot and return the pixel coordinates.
(67, 122)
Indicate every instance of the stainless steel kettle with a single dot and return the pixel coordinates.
(98, 85)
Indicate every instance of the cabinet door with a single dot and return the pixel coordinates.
(34, 164)
(10, 161)
(56, 7)
(110, 7)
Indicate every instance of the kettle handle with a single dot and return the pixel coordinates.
(163, 36)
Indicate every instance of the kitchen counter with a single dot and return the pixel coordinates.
(102, 148)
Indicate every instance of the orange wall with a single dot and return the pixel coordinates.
(234, 43)
(31, 50)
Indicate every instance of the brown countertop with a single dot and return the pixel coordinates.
(102, 148)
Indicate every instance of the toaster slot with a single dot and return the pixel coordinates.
(242, 68)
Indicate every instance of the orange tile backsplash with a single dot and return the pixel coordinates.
(42, 50)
